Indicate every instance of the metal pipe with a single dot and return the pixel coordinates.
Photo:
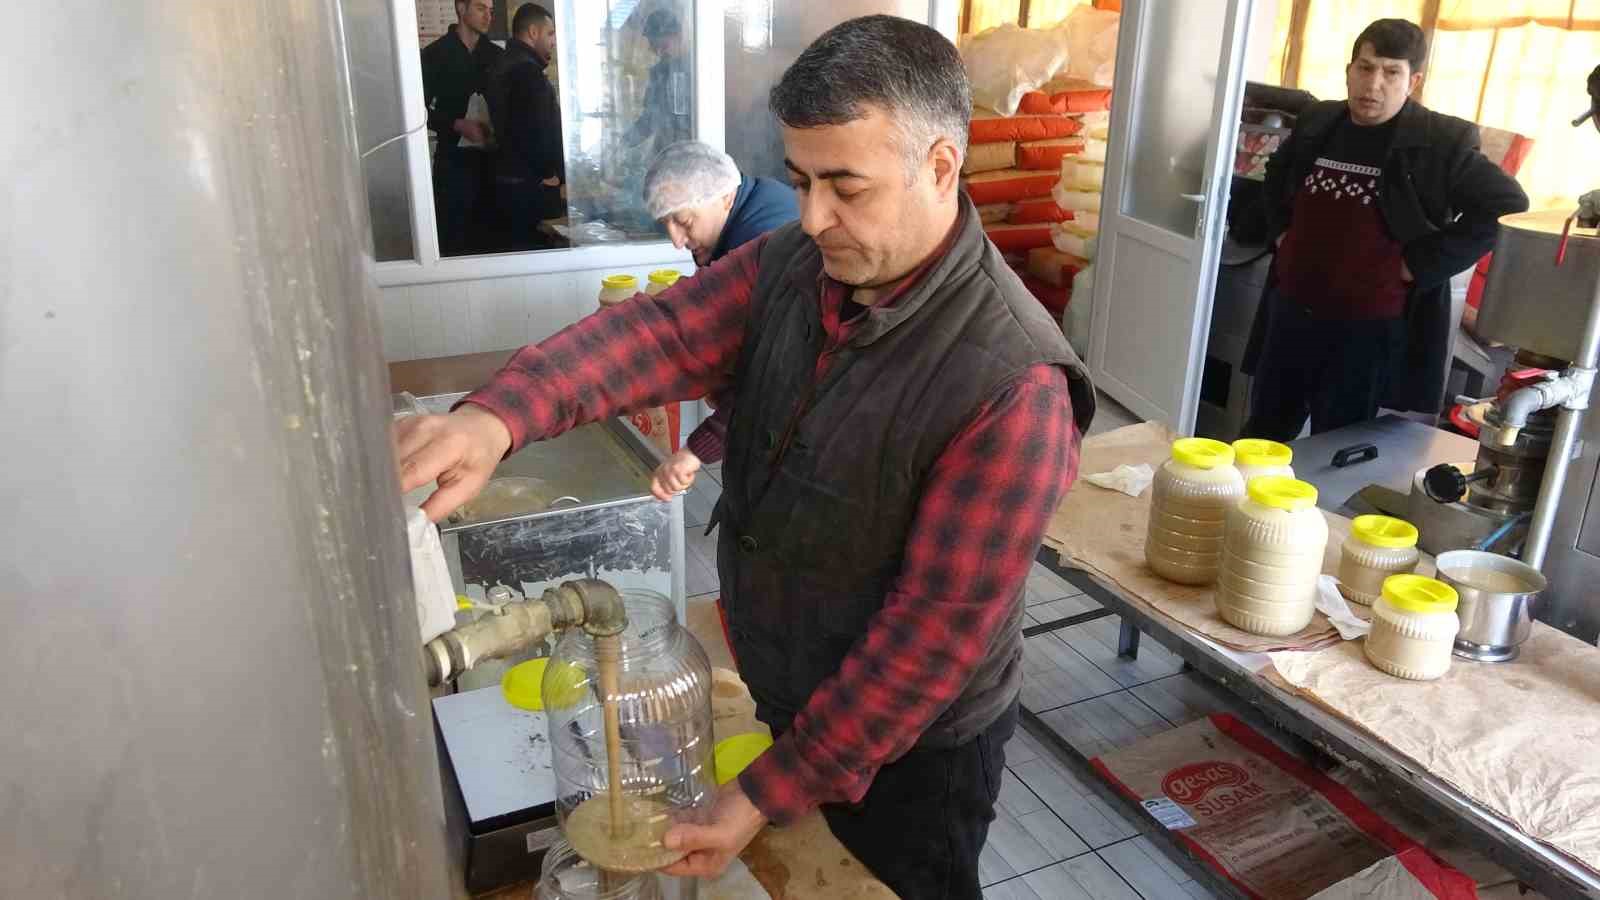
(1568, 426)
(589, 603)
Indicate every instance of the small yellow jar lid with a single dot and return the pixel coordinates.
(620, 283)
(1419, 594)
(734, 754)
(1257, 452)
(1384, 531)
(665, 277)
(1202, 453)
(1281, 492)
(526, 684)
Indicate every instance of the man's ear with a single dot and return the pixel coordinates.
(1416, 83)
(727, 200)
(945, 157)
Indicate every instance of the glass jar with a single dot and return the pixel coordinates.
(1189, 504)
(1272, 557)
(1414, 627)
(567, 876)
(1378, 546)
(616, 289)
(662, 730)
(661, 279)
(1254, 457)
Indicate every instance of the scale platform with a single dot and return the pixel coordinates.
(500, 787)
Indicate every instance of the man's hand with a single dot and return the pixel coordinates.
(675, 475)
(732, 824)
(1405, 273)
(473, 130)
(460, 451)
(552, 181)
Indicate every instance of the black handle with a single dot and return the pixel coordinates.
(1359, 453)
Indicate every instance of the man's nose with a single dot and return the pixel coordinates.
(816, 212)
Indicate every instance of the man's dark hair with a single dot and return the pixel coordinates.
(529, 15)
(1394, 39)
(910, 71)
(1594, 84)
(660, 24)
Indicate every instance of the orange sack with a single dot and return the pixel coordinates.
(1010, 186)
(1019, 238)
(989, 127)
(1048, 154)
(1032, 212)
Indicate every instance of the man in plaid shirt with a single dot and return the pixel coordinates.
(906, 419)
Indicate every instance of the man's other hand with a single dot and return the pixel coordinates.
(473, 130)
(459, 451)
(732, 823)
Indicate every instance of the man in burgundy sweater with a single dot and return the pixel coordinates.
(906, 420)
(1374, 202)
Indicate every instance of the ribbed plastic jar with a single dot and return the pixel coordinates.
(1271, 558)
(1378, 546)
(1414, 626)
(568, 876)
(660, 280)
(664, 715)
(616, 289)
(1189, 503)
(1254, 457)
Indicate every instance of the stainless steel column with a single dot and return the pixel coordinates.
(210, 676)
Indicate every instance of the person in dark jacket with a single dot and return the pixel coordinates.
(1374, 202)
(697, 193)
(527, 124)
(666, 118)
(455, 67)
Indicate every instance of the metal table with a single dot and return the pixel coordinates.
(1404, 446)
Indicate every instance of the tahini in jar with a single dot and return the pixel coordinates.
(1189, 504)
(1378, 546)
(661, 279)
(1254, 457)
(1271, 558)
(616, 289)
(1414, 627)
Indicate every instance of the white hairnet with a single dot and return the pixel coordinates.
(685, 175)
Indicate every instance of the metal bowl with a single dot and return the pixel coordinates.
(1495, 618)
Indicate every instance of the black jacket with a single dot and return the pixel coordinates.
(451, 74)
(1441, 198)
(526, 114)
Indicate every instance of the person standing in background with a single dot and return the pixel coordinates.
(668, 108)
(1374, 202)
(527, 124)
(709, 208)
(455, 67)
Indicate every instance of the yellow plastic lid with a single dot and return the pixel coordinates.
(524, 685)
(1419, 594)
(665, 277)
(1257, 452)
(620, 283)
(1202, 453)
(733, 754)
(1384, 531)
(1280, 492)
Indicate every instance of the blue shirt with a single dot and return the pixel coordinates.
(761, 205)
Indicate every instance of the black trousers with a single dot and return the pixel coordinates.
(923, 822)
(462, 178)
(1335, 372)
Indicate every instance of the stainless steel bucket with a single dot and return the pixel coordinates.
(1495, 618)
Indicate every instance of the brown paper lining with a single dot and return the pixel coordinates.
(1520, 738)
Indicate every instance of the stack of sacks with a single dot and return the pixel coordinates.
(1077, 236)
(1014, 163)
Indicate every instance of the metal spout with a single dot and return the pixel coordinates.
(509, 628)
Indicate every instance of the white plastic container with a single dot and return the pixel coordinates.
(1271, 558)
(661, 279)
(616, 289)
(1189, 504)
(1414, 626)
(1378, 546)
(1254, 457)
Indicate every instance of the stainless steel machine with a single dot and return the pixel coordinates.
(1533, 482)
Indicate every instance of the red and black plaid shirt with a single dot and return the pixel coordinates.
(978, 525)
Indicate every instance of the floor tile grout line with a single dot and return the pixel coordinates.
(1117, 872)
(1045, 805)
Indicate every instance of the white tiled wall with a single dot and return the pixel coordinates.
(422, 321)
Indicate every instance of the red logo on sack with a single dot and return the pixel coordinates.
(1190, 784)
